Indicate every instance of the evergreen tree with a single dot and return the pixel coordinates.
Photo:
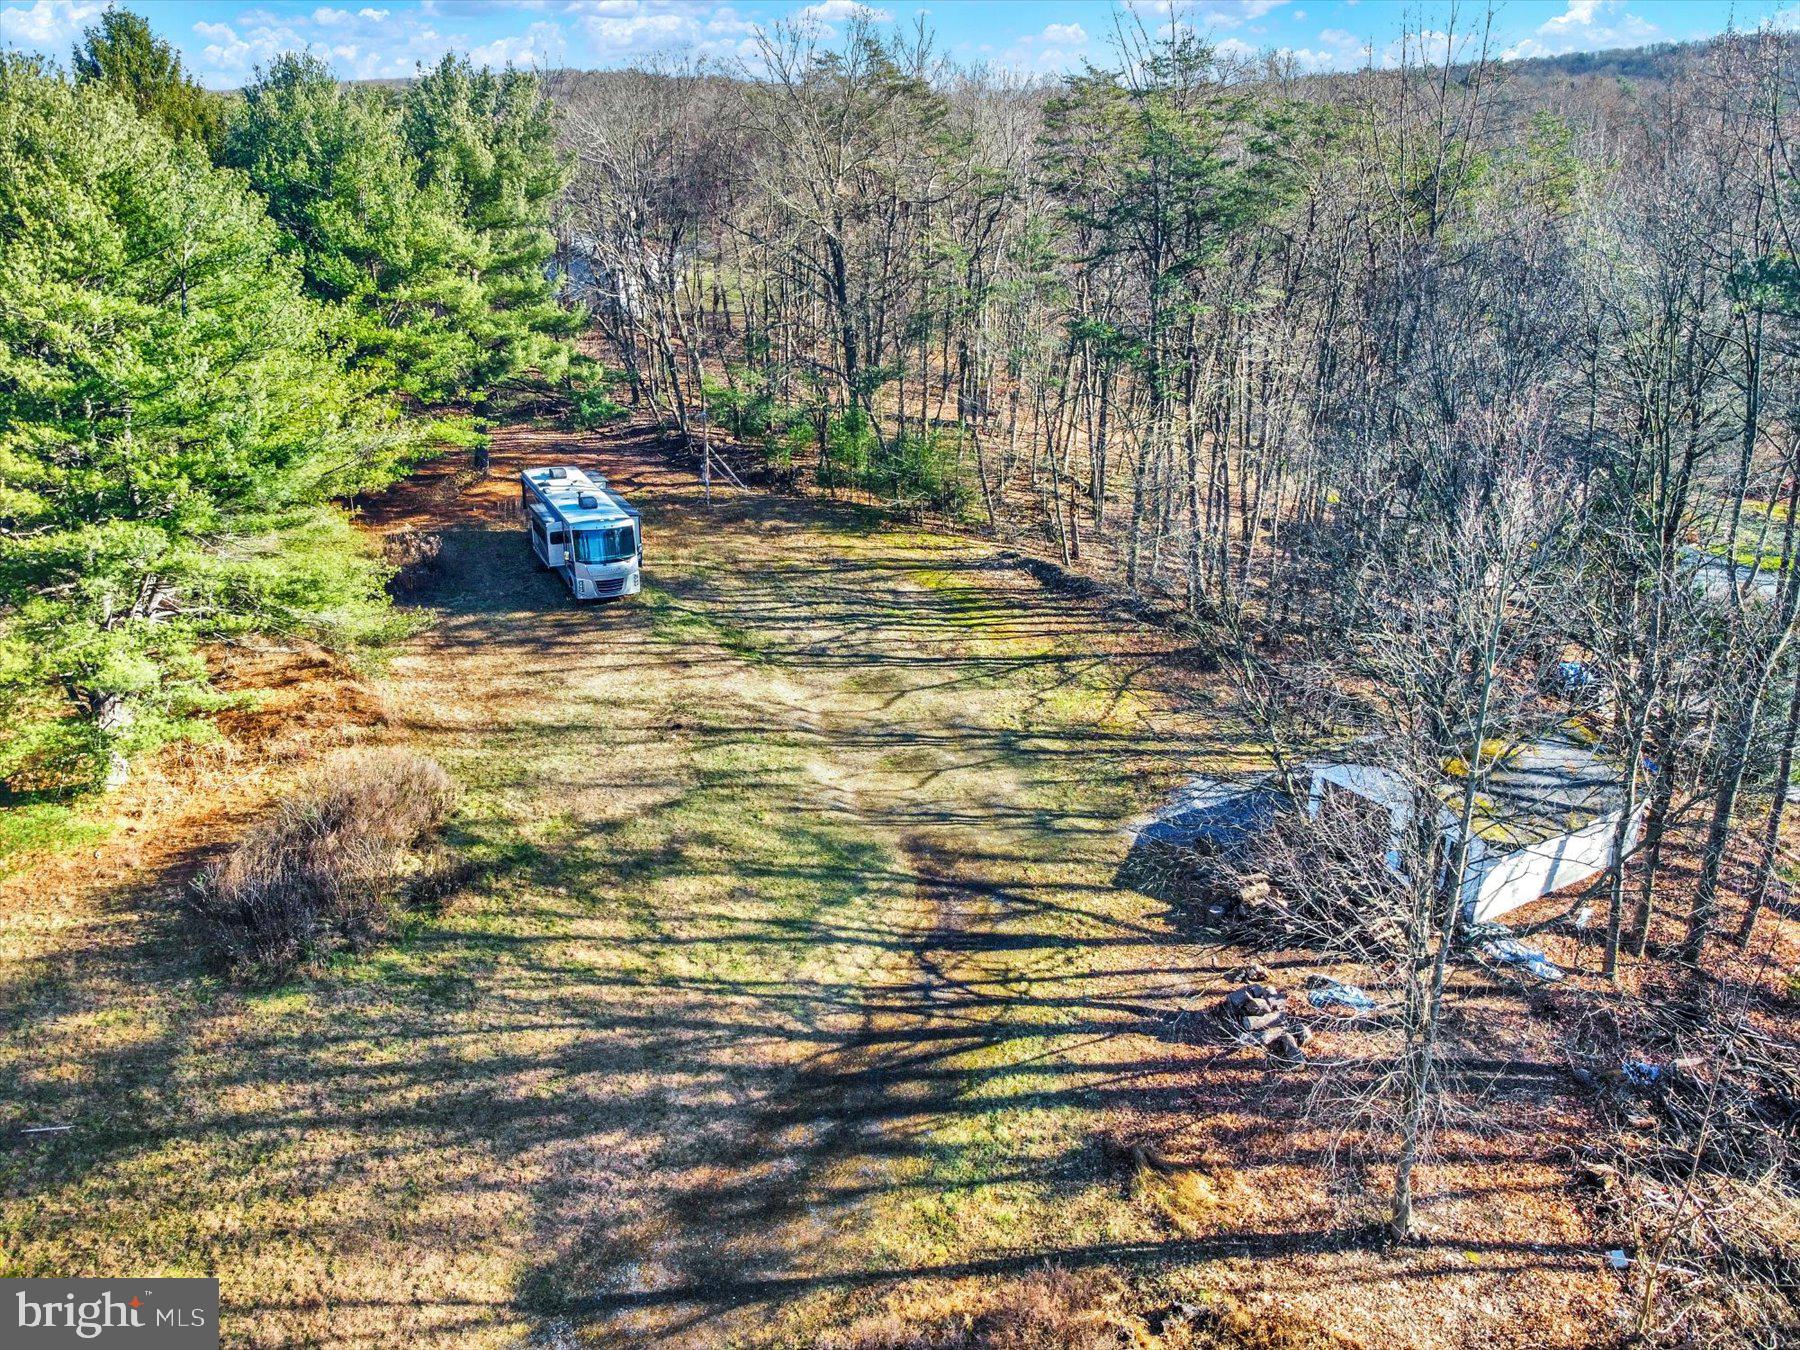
(487, 141)
(122, 53)
(172, 422)
(389, 255)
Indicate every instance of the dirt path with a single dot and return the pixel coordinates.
(799, 999)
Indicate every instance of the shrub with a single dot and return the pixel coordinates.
(416, 557)
(748, 411)
(923, 470)
(850, 448)
(755, 416)
(330, 864)
(912, 470)
(589, 388)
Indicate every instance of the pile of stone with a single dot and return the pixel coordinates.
(1258, 1014)
(1237, 898)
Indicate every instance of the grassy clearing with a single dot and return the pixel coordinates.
(797, 995)
(695, 816)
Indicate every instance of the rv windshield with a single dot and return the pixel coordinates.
(605, 546)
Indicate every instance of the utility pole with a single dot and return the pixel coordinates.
(704, 418)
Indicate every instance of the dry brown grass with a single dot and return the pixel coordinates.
(328, 864)
(416, 557)
(797, 993)
(1049, 1309)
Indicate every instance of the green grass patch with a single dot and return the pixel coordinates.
(46, 827)
(676, 621)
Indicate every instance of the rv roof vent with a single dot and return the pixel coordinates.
(589, 502)
(559, 473)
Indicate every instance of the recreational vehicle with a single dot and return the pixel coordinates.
(582, 529)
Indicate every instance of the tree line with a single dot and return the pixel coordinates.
(1301, 354)
(220, 317)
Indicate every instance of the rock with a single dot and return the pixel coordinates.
(1285, 1052)
(1250, 1006)
(1268, 1019)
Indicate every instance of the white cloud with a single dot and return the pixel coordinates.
(727, 21)
(1223, 13)
(1060, 48)
(841, 11)
(1338, 49)
(1580, 14)
(1208, 13)
(1586, 25)
(48, 25)
(542, 44)
(614, 32)
(1335, 49)
(232, 54)
(825, 19)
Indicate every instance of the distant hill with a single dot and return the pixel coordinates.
(1659, 61)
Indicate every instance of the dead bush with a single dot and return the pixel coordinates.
(1320, 882)
(331, 863)
(1049, 1309)
(416, 557)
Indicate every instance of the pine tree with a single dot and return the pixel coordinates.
(172, 422)
(387, 254)
(487, 141)
(122, 53)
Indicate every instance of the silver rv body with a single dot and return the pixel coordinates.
(583, 530)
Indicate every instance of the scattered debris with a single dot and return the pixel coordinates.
(1340, 1000)
(1137, 1155)
(1512, 952)
(1251, 974)
(1641, 1073)
(1595, 1174)
(1617, 1259)
(1161, 1321)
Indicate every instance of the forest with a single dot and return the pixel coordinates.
(1423, 413)
(1346, 367)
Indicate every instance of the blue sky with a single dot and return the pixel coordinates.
(223, 40)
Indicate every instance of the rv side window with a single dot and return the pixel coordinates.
(556, 536)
